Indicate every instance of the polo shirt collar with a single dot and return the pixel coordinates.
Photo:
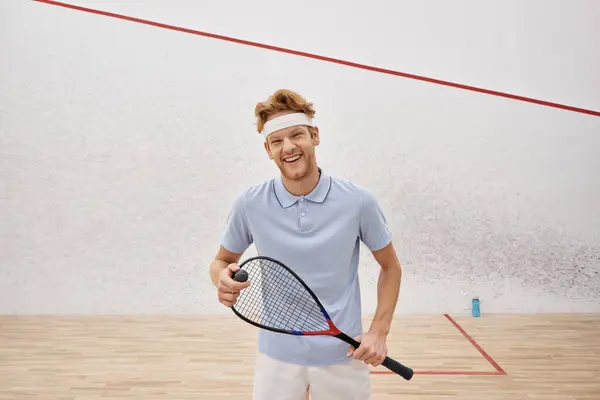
(317, 195)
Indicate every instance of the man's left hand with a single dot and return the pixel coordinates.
(372, 349)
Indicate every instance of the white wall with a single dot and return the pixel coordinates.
(122, 146)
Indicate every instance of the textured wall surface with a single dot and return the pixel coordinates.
(123, 145)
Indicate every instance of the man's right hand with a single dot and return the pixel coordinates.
(228, 290)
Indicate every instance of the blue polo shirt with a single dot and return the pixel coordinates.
(318, 236)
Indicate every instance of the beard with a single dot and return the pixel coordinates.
(297, 170)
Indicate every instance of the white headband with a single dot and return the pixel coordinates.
(285, 121)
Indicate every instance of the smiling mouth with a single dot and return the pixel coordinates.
(292, 159)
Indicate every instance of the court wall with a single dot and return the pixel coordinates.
(123, 144)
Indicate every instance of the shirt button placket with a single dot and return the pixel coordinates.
(302, 210)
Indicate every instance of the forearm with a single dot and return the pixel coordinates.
(388, 290)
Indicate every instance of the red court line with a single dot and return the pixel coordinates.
(472, 341)
(327, 59)
(499, 370)
(461, 373)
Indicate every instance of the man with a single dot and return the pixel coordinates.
(313, 223)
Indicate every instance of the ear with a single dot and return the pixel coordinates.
(268, 150)
(316, 139)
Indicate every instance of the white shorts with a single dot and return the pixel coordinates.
(276, 380)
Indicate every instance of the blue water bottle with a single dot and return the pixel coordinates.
(475, 309)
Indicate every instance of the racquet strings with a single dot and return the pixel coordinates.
(276, 299)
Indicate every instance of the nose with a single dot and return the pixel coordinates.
(288, 145)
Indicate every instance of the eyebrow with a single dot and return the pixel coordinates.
(296, 130)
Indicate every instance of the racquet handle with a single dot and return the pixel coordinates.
(395, 366)
(389, 363)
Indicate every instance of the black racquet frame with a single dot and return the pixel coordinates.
(391, 364)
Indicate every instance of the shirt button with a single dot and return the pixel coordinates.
(303, 214)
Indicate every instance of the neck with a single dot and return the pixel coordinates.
(304, 186)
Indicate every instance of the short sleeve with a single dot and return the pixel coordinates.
(374, 232)
(237, 236)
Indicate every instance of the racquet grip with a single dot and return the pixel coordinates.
(395, 366)
(389, 363)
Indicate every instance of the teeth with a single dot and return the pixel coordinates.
(292, 159)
